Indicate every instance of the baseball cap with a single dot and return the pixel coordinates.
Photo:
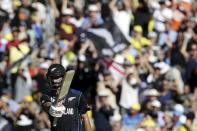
(44, 65)
(178, 110)
(93, 8)
(138, 29)
(136, 106)
(28, 98)
(162, 66)
(151, 92)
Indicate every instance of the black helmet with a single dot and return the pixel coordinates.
(56, 70)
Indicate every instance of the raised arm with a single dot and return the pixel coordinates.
(184, 46)
(86, 121)
(83, 108)
(112, 5)
(64, 5)
(127, 4)
(54, 7)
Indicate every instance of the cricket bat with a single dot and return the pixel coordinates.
(64, 89)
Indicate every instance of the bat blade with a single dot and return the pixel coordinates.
(64, 89)
(66, 84)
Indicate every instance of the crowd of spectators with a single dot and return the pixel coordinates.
(136, 61)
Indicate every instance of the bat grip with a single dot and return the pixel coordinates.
(55, 118)
(55, 121)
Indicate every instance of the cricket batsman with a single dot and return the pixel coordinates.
(70, 112)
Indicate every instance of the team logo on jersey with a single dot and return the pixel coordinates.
(71, 99)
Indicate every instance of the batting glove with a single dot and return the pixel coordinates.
(57, 111)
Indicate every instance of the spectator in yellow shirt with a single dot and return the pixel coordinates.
(138, 41)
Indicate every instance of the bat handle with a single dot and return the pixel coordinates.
(55, 118)
(55, 121)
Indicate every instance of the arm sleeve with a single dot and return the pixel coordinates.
(82, 105)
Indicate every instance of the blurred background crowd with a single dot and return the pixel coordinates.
(136, 61)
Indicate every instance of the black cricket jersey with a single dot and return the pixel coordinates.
(75, 105)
